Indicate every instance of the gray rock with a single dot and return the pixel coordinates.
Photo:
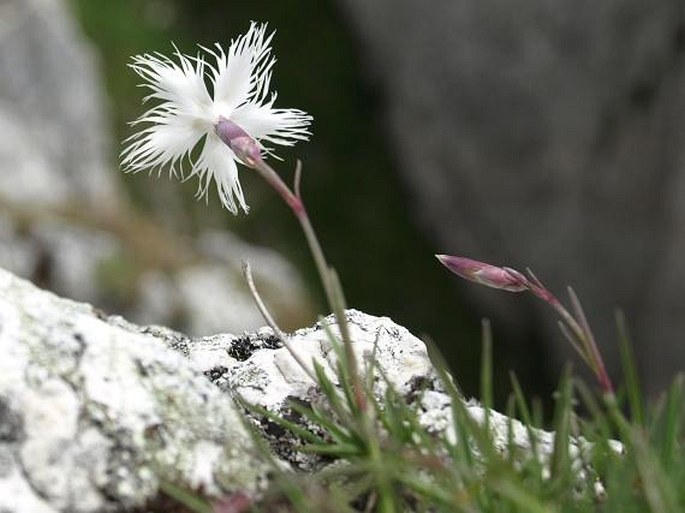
(266, 374)
(547, 135)
(56, 181)
(94, 411)
(52, 121)
(220, 277)
(214, 271)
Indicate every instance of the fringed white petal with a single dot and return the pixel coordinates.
(217, 163)
(243, 74)
(161, 146)
(184, 112)
(279, 126)
(181, 85)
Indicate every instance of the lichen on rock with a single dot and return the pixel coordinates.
(94, 414)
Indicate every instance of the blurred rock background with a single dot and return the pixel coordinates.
(532, 134)
(548, 135)
(66, 221)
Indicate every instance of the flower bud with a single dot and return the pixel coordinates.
(244, 146)
(502, 278)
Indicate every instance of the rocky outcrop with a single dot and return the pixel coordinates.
(550, 136)
(95, 411)
(65, 221)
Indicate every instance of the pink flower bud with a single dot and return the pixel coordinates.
(502, 278)
(244, 146)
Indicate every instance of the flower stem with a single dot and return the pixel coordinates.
(579, 328)
(329, 280)
(247, 273)
(297, 206)
(248, 150)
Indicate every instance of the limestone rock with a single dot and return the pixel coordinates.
(546, 135)
(94, 411)
(54, 144)
(265, 374)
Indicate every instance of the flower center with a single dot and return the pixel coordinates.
(239, 141)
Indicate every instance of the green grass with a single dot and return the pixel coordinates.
(387, 462)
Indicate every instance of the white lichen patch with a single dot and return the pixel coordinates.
(16, 494)
(269, 375)
(94, 413)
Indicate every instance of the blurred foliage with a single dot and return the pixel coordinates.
(352, 190)
(118, 275)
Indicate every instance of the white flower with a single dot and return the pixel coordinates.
(179, 131)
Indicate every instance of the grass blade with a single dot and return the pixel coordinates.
(632, 383)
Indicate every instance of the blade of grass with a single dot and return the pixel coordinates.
(672, 422)
(189, 499)
(323, 419)
(573, 340)
(600, 424)
(527, 419)
(521, 497)
(657, 488)
(632, 382)
(293, 427)
(339, 450)
(560, 465)
(486, 394)
(349, 381)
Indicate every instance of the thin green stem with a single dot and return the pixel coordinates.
(386, 503)
(328, 278)
(317, 253)
(294, 201)
(247, 273)
(579, 328)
